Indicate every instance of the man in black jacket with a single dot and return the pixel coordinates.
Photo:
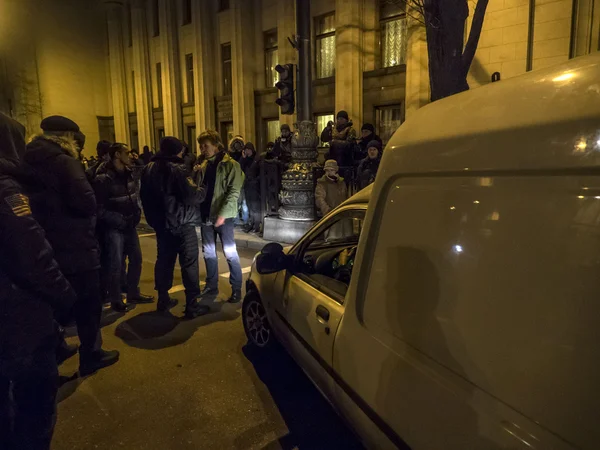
(64, 205)
(118, 215)
(32, 292)
(171, 205)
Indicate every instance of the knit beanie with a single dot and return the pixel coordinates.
(171, 146)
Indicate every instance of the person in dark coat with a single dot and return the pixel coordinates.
(236, 147)
(171, 200)
(189, 159)
(248, 158)
(146, 155)
(33, 292)
(367, 135)
(327, 133)
(368, 167)
(64, 205)
(252, 192)
(283, 145)
(102, 152)
(118, 215)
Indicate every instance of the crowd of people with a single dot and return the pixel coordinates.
(69, 241)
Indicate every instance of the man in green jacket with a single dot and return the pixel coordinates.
(223, 178)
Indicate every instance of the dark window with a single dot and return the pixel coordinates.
(271, 58)
(160, 133)
(387, 121)
(186, 11)
(226, 132)
(226, 59)
(129, 26)
(223, 5)
(189, 77)
(155, 19)
(191, 138)
(393, 33)
(159, 91)
(325, 45)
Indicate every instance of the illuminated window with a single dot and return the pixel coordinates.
(393, 33)
(186, 12)
(273, 130)
(271, 58)
(388, 119)
(155, 19)
(322, 120)
(189, 77)
(227, 76)
(325, 45)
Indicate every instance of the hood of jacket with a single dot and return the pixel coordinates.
(44, 146)
(12, 145)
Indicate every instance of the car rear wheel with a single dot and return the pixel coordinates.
(256, 323)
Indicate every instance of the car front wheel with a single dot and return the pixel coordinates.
(256, 323)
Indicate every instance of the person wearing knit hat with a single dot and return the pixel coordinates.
(171, 201)
(331, 188)
(66, 208)
(367, 135)
(368, 167)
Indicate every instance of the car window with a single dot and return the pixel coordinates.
(326, 261)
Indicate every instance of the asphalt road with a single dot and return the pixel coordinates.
(192, 385)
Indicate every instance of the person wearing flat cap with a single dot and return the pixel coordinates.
(64, 204)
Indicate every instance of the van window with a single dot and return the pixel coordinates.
(326, 260)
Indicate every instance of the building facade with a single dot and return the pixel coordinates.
(136, 70)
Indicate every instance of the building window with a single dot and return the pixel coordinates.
(226, 129)
(325, 45)
(585, 28)
(388, 119)
(191, 138)
(160, 133)
(272, 129)
(186, 12)
(130, 26)
(271, 58)
(226, 60)
(322, 121)
(393, 33)
(189, 77)
(159, 91)
(223, 5)
(155, 19)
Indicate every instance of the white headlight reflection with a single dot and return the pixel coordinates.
(458, 249)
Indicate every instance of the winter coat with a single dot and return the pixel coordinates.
(283, 150)
(367, 170)
(92, 171)
(170, 197)
(32, 288)
(63, 202)
(343, 145)
(117, 197)
(252, 182)
(326, 134)
(228, 186)
(362, 149)
(330, 194)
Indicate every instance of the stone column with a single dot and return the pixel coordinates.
(371, 35)
(117, 70)
(204, 65)
(349, 58)
(286, 27)
(244, 66)
(169, 51)
(417, 68)
(141, 68)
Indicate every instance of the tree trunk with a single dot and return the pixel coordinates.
(474, 35)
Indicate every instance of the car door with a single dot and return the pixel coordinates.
(312, 303)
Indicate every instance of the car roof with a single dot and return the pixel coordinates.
(545, 119)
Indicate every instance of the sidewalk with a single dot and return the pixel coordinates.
(242, 240)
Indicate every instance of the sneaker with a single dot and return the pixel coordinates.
(195, 309)
(140, 298)
(122, 306)
(88, 364)
(65, 351)
(207, 291)
(165, 304)
(236, 296)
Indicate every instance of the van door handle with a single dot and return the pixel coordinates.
(322, 314)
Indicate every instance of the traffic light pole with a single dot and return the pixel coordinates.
(304, 92)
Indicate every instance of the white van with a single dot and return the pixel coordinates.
(463, 310)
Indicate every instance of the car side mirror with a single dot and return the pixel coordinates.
(271, 259)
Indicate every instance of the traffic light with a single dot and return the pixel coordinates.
(286, 88)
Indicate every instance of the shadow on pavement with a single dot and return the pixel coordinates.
(154, 331)
(108, 318)
(310, 419)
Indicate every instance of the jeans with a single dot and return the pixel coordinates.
(87, 309)
(27, 422)
(245, 211)
(209, 248)
(170, 244)
(120, 243)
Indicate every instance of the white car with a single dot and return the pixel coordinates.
(455, 304)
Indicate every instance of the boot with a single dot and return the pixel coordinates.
(96, 360)
(236, 296)
(207, 292)
(165, 303)
(121, 306)
(140, 298)
(195, 309)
